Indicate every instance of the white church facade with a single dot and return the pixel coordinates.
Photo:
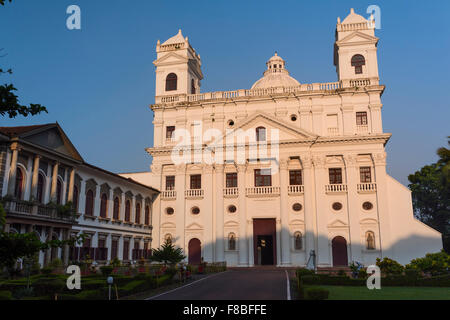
(268, 174)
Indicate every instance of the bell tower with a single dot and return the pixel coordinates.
(355, 50)
(178, 67)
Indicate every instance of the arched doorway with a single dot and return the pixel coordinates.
(195, 251)
(340, 258)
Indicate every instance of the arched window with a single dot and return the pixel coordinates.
(370, 240)
(260, 134)
(171, 82)
(116, 208)
(231, 242)
(298, 241)
(89, 203)
(40, 188)
(58, 192)
(147, 215)
(18, 192)
(103, 206)
(168, 238)
(138, 213)
(358, 62)
(193, 91)
(127, 211)
(75, 198)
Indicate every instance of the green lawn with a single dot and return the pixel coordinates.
(388, 293)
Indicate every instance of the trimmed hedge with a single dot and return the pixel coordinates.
(389, 281)
(5, 295)
(316, 293)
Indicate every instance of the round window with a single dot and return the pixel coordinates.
(337, 206)
(232, 209)
(297, 207)
(293, 118)
(170, 211)
(195, 210)
(230, 123)
(367, 205)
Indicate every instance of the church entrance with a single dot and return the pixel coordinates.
(264, 240)
(195, 252)
(339, 249)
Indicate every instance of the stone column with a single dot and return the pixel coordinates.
(321, 179)
(49, 250)
(243, 253)
(54, 182)
(180, 187)
(109, 246)
(284, 214)
(13, 171)
(71, 185)
(208, 189)
(7, 171)
(309, 206)
(251, 252)
(122, 207)
(133, 209)
(66, 235)
(34, 182)
(120, 249)
(385, 239)
(82, 204)
(97, 201)
(64, 188)
(279, 243)
(27, 193)
(353, 207)
(220, 249)
(110, 208)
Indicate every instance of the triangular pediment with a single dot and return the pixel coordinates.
(337, 224)
(357, 37)
(52, 138)
(275, 129)
(170, 58)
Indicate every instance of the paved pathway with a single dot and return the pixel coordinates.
(244, 284)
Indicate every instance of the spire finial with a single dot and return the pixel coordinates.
(352, 10)
(339, 20)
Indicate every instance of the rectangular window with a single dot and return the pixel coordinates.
(365, 173)
(335, 175)
(170, 130)
(114, 246)
(126, 250)
(196, 181)
(170, 183)
(231, 180)
(295, 178)
(361, 118)
(101, 243)
(263, 178)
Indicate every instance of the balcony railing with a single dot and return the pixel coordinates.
(230, 192)
(37, 210)
(333, 131)
(299, 189)
(194, 193)
(362, 129)
(168, 195)
(367, 187)
(262, 191)
(335, 188)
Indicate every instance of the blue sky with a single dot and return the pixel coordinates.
(98, 82)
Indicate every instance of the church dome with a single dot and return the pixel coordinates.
(276, 75)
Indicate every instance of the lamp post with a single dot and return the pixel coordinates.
(110, 281)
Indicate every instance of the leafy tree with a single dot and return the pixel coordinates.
(168, 254)
(14, 246)
(430, 188)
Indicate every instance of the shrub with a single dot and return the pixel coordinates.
(171, 272)
(56, 263)
(304, 272)
(46, 270)
(316, 294)
(388, 266)
(106, 270)
(23, 292)
(5, 295)
(362, 274)
(48, 286)
(342, 273)
(433, 263)
(412, 273)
